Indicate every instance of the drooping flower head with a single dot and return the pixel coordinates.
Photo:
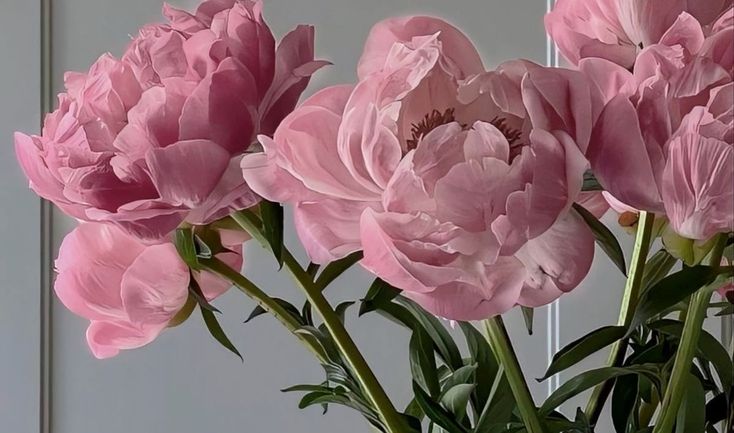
(154, 138)
(455, 182)
(129, 291)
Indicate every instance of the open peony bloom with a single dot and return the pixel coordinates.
(129, 291)
(154, 139)
(455, 182)
(664, 142)
(617, 30)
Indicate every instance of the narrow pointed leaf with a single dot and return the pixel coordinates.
(581, 348)
(604, 238)
(186, 247)
(335, 269)
(435, 412)
(217, 332)
(272, 220)
(527, 315)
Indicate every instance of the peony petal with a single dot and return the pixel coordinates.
(185, 173)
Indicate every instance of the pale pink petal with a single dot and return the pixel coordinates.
(698, 186)
(155, 286)
(106, 339)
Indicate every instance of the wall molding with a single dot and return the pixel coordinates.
(46, 238)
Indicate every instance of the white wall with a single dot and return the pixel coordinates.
(184, 382)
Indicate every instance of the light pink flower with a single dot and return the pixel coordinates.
(617, 30)
(663, 142)
(455, 182)
(128, 290)
(154, 139)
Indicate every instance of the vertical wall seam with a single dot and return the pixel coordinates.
(46, 238)
(553, 333)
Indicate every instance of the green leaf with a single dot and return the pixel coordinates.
(717, 409)
(259, 311)
(445, 345)
(581, 348)
(435, 412)
(380, 293)
(692, 413)
(585, 381)
(272, 220)
(657, 268)
(306, 388)
(591, 183)
(313, 269)
(212, 324)
(334, 269)
(198, 295)
(527, 315)
(709, 349)
(483, 357)
(184, 313)
(671, 290)
(456, 398)
(462, 375)
(624, 400)
(184, 241)
(604, 238)
(341, 309)
(423, 363)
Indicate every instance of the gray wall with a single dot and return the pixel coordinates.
(184, 382)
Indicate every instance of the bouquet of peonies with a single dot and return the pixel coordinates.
(466, 192)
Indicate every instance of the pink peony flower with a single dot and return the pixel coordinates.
(663, 142)
(617, 30)
(129, 291)
(154, 139)
(455, 182)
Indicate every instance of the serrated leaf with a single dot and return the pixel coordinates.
(583, 347)
(435, 412)
(604, 238)
(184, 242)
(335, 269)
(212, 324)
(272, 222)
(671, 290)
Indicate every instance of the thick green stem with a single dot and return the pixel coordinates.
(369, 383)
(687, 349)
(629, 303)
(263, 300)
(372, 388)
(500, 342)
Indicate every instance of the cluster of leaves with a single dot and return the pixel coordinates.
(651, 341)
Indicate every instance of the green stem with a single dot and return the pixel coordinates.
(500, 342)
(687, 349)
(629, 304)
(263, 300)
(371, 386)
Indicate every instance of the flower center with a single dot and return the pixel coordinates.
(511, 134)
(430, 121)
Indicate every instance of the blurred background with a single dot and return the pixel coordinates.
(185, 382)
